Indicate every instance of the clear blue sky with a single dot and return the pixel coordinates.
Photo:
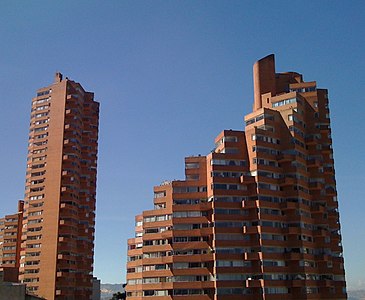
(170, 75)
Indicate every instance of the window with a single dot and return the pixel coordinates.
(34, 246)
(225, 139)
(265, 150)
(232, 276)
(230, 150)
(310, 290)
(267, 186)
(230, 139)
(157, 218)
(149, 280)
(181, 292)
(264, 138)
(185, 239)
(35, 213)
(37, 181)
(187, 201)
(41, 129)
(184, 226)
(191, 251)
(37, 197)
(231, 237)
(265, 162)
(226, 174)
(38, 189)
(269, 211)
(285, 102)
(159, 194)
(258, 118)
(233, 291)
(223, 186)
(307, 263)
(189, 278)
(43, 93)
(41, 107)
(273, 263)
(276, 290)
(192, 177)
(41, 122)
(189, 214)
(188, 265)
(232, 224)
(230, 211)
(41, 115)
(227, 199)
(233, 263)
(189, 189)
(224, 162)
(160, 205)
(153, 267)
(38, 174)
(41, 136)
(191, 165)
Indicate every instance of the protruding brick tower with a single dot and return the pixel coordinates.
(10, 238)
(58, 226)
(255, 219)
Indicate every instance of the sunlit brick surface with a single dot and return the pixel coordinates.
(58, 227)
(257, 218)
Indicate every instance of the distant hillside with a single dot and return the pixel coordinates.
(108, 289)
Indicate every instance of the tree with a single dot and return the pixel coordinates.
(119, 296)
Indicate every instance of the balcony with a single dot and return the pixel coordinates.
(313, 163)
(252, 256)
(251, 229)
(286, 181)
(311, 140)
(250, 283)
(285, 158)
(315, 185)
(250, 204)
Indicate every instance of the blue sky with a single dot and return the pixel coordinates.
(170, 75)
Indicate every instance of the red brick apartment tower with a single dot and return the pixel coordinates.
(10, 237)
(255, 219)
(58, 227)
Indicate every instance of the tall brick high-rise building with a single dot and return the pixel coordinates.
(57, 242)
(257, 218)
